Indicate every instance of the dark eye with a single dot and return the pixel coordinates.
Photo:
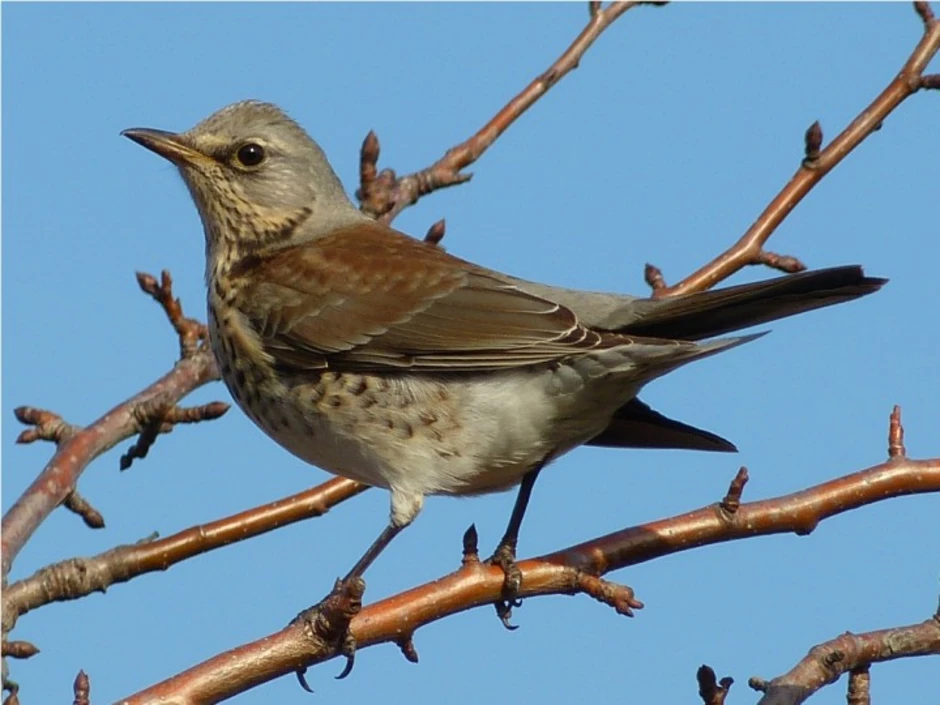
(250, 154)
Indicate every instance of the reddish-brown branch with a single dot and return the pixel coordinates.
(192, 333)
(476, 584)
(859, 690)
(383, 195)
(77, 447)
(816, 164)
(78, 577)
(825, 663)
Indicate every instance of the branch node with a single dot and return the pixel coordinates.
(593, 8)
(158, 415)
(471, 554)
(930, 82)
(79, 505)
(436, 232)
(732, 500)
(47, 426)
(407, 646)
(192, 334)
(712, 691)
(20, 649)
(896, 447)
(81, 689)
(782, 263)
(812, 145)
(758, 684)
(653, 276)
(620, 597)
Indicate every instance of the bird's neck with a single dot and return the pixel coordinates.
(231, 242)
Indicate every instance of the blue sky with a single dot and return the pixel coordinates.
(679, 126)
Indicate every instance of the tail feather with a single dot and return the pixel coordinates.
(710, 313)
(703, 315)
(635, 425)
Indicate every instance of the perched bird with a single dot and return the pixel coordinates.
(384, 359)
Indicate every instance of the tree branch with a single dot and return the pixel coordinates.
(816, 164)
(77, 577)
(77, 447)
(825, 663)
(569, 571)
(383, 195)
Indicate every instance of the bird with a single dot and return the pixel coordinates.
(382, 358)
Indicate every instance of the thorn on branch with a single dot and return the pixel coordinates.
(926, 14)
(859, 690)
(157, 415)
(471, 553)
(407, 646)
(47, 426)
(436, 232)
(783, 263)
(813, 143)
(19, 649)
(78, 504)
(896, 447)
(653, 276)
(81, 689)
(620, 597)
(732, 500)
(710, 689)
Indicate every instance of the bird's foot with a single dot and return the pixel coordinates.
(505, 558)
(328, 622)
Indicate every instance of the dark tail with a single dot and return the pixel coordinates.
(697, 316)
(710, 313)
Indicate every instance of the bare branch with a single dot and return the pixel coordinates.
(191, 332)
(76, 448)
(77, 577)
(476, 584)
(383, 195)
(825, 663)
(815, 166)
(859, 690)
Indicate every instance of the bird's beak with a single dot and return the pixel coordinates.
(168, 145)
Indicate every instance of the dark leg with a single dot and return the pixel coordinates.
(331, 616)
(505, 554)
(384, 539)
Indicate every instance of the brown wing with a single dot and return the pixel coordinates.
(368, 297)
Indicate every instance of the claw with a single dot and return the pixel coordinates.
(348, 650)
(505, 558)
(302, 679)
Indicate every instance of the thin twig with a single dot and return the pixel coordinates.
(77, 577)
(816, 165)
(78, 447)
(383, 195)
(825, 663)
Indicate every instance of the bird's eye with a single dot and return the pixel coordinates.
(250, 154)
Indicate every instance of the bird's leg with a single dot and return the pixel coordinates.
(329, 619)
(505, 554)
(384, 539)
